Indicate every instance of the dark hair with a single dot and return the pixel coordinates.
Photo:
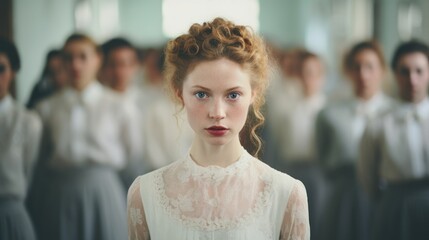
(9, 49)
(116, 43)
(372, 45)
(413, 46)
(53, 53)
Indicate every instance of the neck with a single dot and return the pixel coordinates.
(205, 154)
(82, 86)
(366, 96)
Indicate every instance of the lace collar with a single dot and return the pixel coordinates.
(206, 198)
(216, 172)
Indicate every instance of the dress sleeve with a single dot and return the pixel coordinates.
(137, 225)
(296, 224)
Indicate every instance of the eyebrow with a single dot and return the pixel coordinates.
(209, 90)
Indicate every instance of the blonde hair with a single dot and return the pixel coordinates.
(214, 40)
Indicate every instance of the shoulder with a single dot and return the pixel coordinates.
(156, 174)
(118, 101)
(47, 105)
(334, 107)
(28, 118)
(282, 182)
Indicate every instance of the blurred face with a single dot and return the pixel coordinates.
(152, 72)
(312, 76)
(217, 95)
(57, 71)
(412, 74)
(121, 67)
(367, 74)
(6, 75)
(82, 63)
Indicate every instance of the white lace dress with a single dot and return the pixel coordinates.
(246, 200)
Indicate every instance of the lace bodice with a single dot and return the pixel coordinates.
(246, 200)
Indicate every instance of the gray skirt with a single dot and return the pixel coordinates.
(85, 203)
(403, 212)
(348, 212)
(311, 175)
(14, 220)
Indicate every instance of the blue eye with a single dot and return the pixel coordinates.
(201, 95)
(233, 95)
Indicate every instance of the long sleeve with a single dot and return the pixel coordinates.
(137, 225)
(369, 159)
(296, 224)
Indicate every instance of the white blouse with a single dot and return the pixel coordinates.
(396, 147)
(246, 200)
(340, 126)
(167, 132)
(296, 136)
(20, 133)
(92, 126)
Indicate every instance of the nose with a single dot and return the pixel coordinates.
(217, 109)
(413, 78)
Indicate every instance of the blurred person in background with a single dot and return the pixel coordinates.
(394, 164)
(282, 93)
(339, 129)
(53, 78)
(20, 132)
(166, 130)
(296, 135)
(119, 71)
(120, 64)
(88, 136)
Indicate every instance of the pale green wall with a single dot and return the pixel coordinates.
(283, 21)
(38, 26)
(141, 21)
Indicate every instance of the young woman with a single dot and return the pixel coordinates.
(53, 78)
(339, 129)
(20, 133)
(218, 73)
(395, 151)
(295, 134)
(89, 134)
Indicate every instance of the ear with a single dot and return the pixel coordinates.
(254, 94)
(179, 96)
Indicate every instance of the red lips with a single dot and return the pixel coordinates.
(217, 131)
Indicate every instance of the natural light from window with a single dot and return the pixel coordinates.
(179, 15)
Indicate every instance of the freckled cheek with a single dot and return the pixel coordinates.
(197, 114)
(238, 115)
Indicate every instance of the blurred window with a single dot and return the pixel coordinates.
(178, 15)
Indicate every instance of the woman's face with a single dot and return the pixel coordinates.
(312, 76)
(82, 63)
(217, 95)
(6, 75)
(367, 74)
(121, 67)
(412, 74)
